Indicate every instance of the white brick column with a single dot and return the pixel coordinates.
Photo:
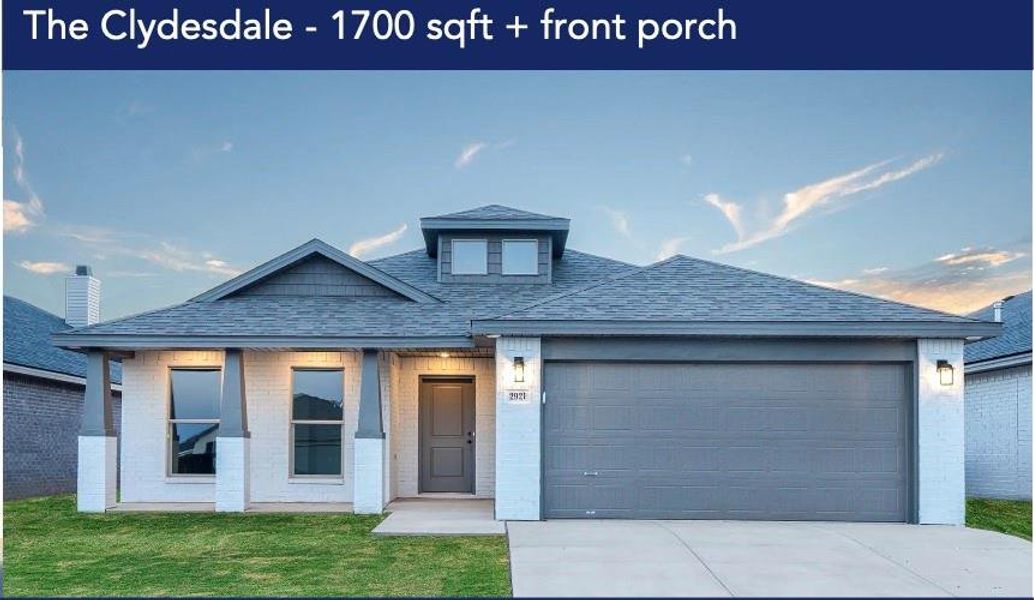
(368, 495)
(518, 430)
(96, 476)
(232, 465)
(942, 435)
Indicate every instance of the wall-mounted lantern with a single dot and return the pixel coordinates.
(518, 369)
(945, 372)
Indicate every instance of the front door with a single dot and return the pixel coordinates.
(447, 435)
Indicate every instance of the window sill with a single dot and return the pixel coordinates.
(187, 479)
(317, 480)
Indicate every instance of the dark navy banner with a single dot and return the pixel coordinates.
(527, 34)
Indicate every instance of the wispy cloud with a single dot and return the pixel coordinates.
(960, 282)
(619, 220)
(45, 268)
(468, 153)
(363, 247)
(687, 160)
(670, 247)
(106, 242)
(800, 202)
(21, 216)
(200, 153)
(474, 149)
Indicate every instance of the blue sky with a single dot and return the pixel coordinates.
(909, 185)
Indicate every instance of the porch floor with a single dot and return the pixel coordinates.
(439, 516)
(254, 507)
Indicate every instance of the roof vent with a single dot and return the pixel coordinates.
(82, 298)
(997, 306)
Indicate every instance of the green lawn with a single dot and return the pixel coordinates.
(50, 550)
(1006, 516)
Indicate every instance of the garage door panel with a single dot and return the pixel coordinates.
(774, 442)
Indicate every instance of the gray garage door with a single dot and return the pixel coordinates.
(726, 441)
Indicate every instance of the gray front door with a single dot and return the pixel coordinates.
(727, 441)
(447, 435)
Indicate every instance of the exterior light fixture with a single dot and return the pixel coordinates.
(518, 369)
(945, 372)
(443, 355)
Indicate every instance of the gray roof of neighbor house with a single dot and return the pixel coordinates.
(27, 331)
(1015, 338)
(587, 295)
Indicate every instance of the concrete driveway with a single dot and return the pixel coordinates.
(733, 558)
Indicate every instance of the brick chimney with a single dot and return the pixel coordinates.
(82, 298)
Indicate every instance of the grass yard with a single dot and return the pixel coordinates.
(1007, 516)
(51, 550)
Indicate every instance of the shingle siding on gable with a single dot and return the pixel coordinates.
(41, 433)
(317, 276)
(495, 259)
(998, 434)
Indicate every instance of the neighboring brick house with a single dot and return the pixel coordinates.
(43, 393)
(998, 395)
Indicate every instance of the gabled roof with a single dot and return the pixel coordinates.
(1015, 339)
(307, 250)
(683, 295)
(495, 218)
(27, 331)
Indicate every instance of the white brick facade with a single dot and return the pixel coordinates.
(998, 433)
(518, 431)
(941, 424)
(96, 475)
(369, 476)
(406, 373)
(268, 382)
(232, 486)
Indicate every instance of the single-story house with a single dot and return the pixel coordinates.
(998, 392)
(495, 362)
(43, 391)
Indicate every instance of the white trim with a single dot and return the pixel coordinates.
(52, 375)
(502, 255)
(452, 257)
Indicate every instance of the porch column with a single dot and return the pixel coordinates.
(96, 476)
(232, 481)
(368, 495)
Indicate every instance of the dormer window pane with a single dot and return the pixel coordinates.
(520, 257)
(469, 257)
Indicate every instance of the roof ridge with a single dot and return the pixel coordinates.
(822, 287)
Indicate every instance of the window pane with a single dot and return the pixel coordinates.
(318, 395)
(193, 448)
(317, 449)
(195, 394)
(521, 258)
(469, 257)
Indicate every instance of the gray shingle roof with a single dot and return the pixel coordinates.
(585, 289)
(688, 289)
(27, 330)
(494, 212)
(1016, 331)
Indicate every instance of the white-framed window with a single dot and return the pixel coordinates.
(520, 257)
(469, 257)
(317, 422)
(194, 394)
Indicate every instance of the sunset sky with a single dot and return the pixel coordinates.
(906, 185)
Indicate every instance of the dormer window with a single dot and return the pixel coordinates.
(469, 257)
(520, 257)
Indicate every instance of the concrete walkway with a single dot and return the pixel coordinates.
(728, 558)
(424, 516)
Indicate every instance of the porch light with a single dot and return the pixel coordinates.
(443, 355)
(518, 369)
(945, 372)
